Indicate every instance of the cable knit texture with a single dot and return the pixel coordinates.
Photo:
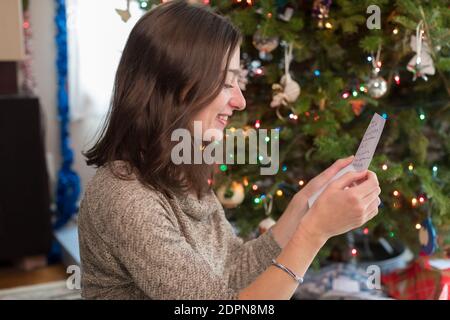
(136, 243)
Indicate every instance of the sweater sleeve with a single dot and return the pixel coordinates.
(158, 258)
(247, 260)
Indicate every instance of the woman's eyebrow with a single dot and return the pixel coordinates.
(235, 71)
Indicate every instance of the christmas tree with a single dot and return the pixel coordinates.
(317, 71)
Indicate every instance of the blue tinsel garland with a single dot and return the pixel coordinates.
(68, 189)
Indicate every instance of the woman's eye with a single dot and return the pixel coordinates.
(228, 86)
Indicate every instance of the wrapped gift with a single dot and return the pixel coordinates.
(423, 279)
(338, 281)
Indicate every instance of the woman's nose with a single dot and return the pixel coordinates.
(237, 100)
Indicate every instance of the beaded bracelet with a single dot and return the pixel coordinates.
(288, 271)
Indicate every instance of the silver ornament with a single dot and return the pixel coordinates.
(377, 87)
(265, 44)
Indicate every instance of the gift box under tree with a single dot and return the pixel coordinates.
(419, 280)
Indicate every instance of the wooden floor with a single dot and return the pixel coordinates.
(12, 277)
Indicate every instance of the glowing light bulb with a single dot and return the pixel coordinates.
(279, 192)
(259, 71)
(254, 187)
(395, 193)
(301, 182)
(384, 167)
(414, 202)
(418, 226)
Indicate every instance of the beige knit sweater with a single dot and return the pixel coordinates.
(136, 243)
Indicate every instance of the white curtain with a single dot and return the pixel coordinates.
(96, 37)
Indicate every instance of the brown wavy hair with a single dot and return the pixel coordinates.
(170, 69)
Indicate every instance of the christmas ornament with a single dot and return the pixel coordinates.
(231, 196)
(357, 106)
(421, 64)
(288, 12)
(265, 44)
(125, 15)
(287, 91)
(377, 85)
(320, 11)
(427, 237)
(265, 225)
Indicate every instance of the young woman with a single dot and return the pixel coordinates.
(150, 229)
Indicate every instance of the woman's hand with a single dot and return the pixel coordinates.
(343, 207)
(298, 206)
(319, 181)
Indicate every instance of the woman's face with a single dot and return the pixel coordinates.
(217, 114)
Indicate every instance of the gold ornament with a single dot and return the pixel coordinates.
(231, 196)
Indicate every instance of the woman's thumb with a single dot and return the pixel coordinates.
(347, 179)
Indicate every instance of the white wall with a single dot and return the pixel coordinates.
(44, 53)
(96, 37)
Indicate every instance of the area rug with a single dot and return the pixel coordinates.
(48, 291)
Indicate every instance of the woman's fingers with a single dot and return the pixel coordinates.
(373, 195)
(331, 171)
(368, 186)
(372, 208)
(349, 178)
(372, 214)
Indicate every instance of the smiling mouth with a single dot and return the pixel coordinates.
(222, 118)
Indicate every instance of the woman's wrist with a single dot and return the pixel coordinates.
(306, 231)
(301, 203)
(286, 225)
